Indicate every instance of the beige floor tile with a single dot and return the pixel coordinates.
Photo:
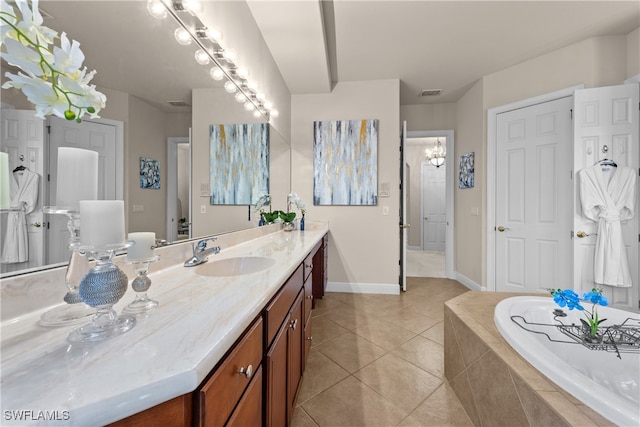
(423, 353)
(302, 419)
(435, 333)
(324, 329)
(412, 320)
(320, 374)
(351, 351)
(384, 334)
(352, 403)
(399, 381)
(326, 304)
(442, 408)
(350, 319)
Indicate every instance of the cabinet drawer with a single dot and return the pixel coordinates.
(279, 307)
(308, 264)
(220, 393)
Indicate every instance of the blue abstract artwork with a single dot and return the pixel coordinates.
(149, 173)
(345, 162)
(239, 163)
(465, 175)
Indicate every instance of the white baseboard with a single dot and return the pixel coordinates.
(414, 248)
(468, 282)
(364, 288)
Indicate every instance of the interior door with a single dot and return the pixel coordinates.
(23, 140)
(434, 208)
(533, 189)
(606, 125)
(403, 209)
(90, 136)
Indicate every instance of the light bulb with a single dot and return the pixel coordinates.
(229, 55)
(182, 36)
(249, 106)
(274, 113)
(214, 34)
(257, 114)
(192, 6)
(240, 97)
(261, 96)
(156, 9)
(252, 85)
(216, 73)
(268, 105)
(202, 57)
(229, 86)
(243, 73)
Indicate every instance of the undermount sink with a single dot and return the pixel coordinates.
(235, 266)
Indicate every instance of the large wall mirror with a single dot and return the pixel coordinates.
(158, 99)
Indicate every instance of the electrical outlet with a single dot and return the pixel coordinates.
(385, 210)
(203, 209)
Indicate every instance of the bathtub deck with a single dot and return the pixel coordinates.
(495, 384)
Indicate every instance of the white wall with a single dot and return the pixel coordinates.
(363, 243)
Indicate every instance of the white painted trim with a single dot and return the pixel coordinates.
(469, 283)
(450, 240)
(364, 288)
(492, 116)
(633, 79)
(172, 178)
(414, 248)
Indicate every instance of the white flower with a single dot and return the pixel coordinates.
(55, 82)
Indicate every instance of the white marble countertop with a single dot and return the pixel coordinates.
(167, 354)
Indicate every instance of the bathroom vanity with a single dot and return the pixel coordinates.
(219, 349)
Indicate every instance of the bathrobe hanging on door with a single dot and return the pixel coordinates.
(608, 196)
(24, 196)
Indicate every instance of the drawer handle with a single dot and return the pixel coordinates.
(310, 296)
(310, 338)
(293, 324)
(309, 265)
(246, 372)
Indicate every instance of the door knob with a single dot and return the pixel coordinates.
(405, 225)
(502, 228)
(426, 218)
(582, 234)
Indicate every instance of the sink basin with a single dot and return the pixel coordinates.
(235, 266)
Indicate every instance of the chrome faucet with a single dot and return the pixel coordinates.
(201, 252)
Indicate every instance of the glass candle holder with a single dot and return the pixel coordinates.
(142, 303)
(101, 288)
(75, 311)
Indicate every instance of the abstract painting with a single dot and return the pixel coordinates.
(345, 162)
(239, 163)
(465, 175)
(149, 173)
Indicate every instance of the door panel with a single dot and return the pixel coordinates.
(606, 125)
(533, 183)
(89, 136)
(434, 207)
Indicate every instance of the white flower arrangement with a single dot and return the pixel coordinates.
(52, 78)
(293, 198)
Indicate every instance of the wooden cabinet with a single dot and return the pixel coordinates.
(320, 261)
(242, 390)
(218, 396)
(284, 355)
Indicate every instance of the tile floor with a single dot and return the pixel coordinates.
(378, 360)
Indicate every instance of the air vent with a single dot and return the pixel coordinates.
(431, 92)
(178, 103)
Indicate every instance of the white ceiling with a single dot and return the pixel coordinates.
(445, 45)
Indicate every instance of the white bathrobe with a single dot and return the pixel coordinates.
(24, 197)
(608, 196)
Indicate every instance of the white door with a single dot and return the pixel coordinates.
(533, 187)
(605, 126)
(23, 140)
(434, 208)
(403, 209)
(178, 174)
(90, 136)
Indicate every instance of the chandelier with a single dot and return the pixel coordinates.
(436, 155)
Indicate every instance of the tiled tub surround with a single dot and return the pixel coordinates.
(494, 384)
(168, 353)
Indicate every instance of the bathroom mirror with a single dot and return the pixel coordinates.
(151, 82)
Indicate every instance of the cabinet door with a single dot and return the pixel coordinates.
(276, 372)
(248, 413)
(295, 350)
(307, 342)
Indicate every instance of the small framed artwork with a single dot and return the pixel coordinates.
(149, 173)
(466, 170)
